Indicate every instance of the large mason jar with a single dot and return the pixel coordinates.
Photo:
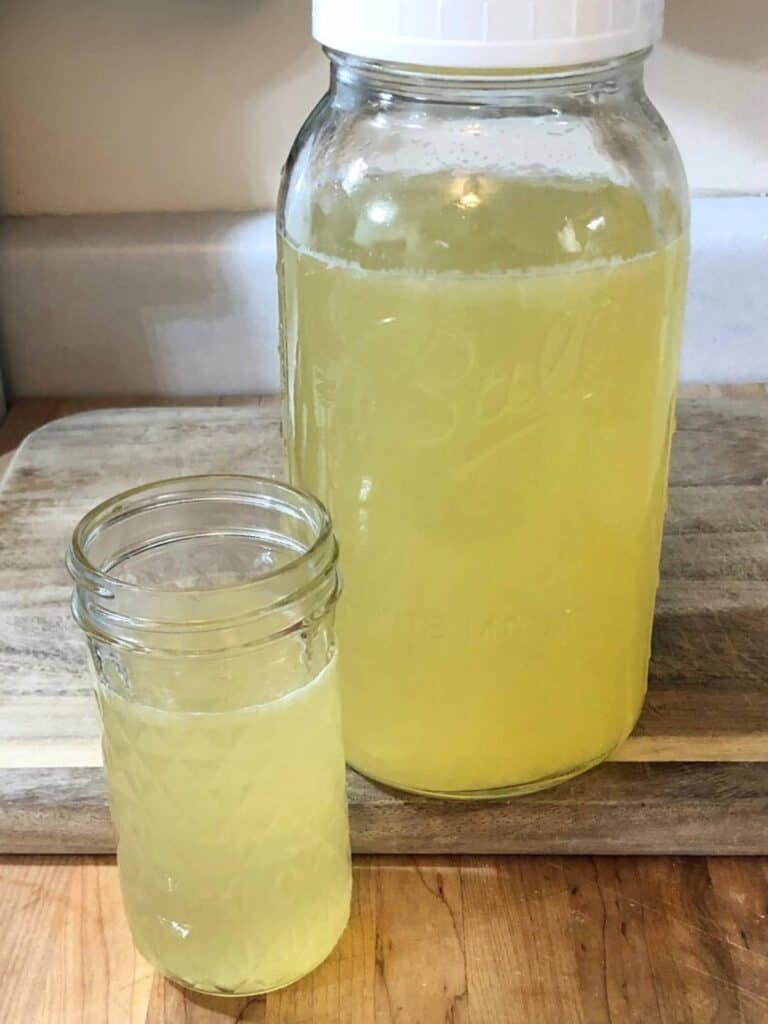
(482, 258)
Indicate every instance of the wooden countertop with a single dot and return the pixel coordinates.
(468, 940)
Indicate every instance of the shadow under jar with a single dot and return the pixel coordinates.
(208, 604)
(483, 235)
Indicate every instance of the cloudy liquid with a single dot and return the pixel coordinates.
(493, 447)
(232, 832)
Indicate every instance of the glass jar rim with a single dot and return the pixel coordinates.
(534, 77)
(274, 602)
(83, 571)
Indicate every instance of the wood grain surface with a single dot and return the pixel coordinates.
(523, 940)
(693, 778)
(467, 940)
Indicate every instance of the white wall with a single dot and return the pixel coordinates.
(143, 105)
(710, 80)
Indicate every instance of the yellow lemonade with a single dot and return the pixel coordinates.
(232, 831)
(480, 384)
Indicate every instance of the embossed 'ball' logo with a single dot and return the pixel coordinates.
(482, 377)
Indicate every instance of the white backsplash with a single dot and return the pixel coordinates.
(185, 304)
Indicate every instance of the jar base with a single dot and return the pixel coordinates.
(496, 793)
(219, 993)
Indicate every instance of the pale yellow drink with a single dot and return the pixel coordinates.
(480, 384)
(232, 831)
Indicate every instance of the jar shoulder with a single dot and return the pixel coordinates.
(379, 170)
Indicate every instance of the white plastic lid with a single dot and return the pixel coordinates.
(488, 33)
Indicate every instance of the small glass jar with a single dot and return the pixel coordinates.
(483, 236)
(208, 604)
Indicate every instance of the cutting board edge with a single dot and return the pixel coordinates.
(619, 808)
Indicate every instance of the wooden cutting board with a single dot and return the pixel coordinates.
(692, 779)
